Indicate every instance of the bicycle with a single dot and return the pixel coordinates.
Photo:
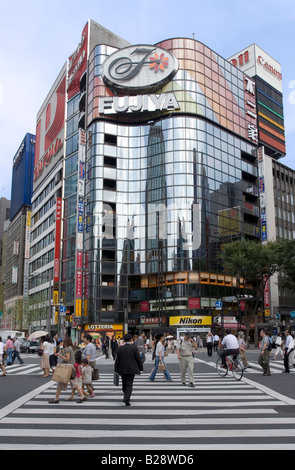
(234, 365)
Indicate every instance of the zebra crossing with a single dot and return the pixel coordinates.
(34, 368)
(217, 413)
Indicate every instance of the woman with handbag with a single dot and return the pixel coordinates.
(67, 355)
(159, 359)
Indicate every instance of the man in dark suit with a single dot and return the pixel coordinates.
(127, 364)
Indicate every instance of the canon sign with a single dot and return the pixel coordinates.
(269, 67)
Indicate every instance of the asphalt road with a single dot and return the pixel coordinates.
(217, 413)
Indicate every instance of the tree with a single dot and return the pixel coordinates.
(256, 263)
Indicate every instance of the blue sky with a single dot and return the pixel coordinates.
(36, 38)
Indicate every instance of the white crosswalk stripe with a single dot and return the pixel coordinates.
(218, 411)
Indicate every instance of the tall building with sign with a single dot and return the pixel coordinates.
(275, 179)
(146, 164)
(16, 266)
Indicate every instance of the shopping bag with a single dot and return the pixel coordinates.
(162, 366)
(62, 373)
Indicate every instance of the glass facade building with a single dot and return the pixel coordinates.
(166, 188)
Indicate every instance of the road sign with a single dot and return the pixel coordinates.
(218, 304)
(62, 309)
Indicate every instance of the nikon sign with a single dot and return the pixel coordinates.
(191, 321)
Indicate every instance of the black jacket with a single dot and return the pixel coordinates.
(128, 360)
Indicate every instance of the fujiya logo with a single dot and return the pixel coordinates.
(139, 68)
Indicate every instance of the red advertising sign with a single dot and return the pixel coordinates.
(57, 239)
(266, 295)
(77, 64)
(79, 284)
(194, 302)
(144, 306)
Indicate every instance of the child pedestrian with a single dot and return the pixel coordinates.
(87, 377)
(77, 382)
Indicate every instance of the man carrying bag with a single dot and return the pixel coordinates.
(127, 364)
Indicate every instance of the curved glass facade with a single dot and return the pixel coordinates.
(165, 190)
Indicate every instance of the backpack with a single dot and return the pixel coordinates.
(269, 347)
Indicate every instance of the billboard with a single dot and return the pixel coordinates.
(255, 61)
(77, 65)
(50, 129)
(173, 76)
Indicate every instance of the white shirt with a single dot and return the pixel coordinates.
(46, 346)
(230, 342)
(289, 344)
(159, 349)
(1, 348)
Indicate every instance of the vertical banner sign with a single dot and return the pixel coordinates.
(80, 223)
(27, 256)
(57, 249)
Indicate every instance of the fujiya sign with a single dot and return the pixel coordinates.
(137, 104)
(139, 68)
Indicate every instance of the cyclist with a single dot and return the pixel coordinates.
(231, 345)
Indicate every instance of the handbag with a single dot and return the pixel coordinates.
(62, 373)
(73, 374)
(162, 366)
(95, 374)
(116, 379)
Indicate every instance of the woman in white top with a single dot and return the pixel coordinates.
(2, 350)
(159, 358)
(46, 348)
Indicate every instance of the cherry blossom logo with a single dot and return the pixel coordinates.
(159, 62)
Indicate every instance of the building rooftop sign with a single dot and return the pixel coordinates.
(139, 68)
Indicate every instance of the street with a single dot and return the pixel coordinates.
(219, 413)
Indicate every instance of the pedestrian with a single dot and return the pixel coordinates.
(141, 346)
(47, 349)
(89, 351)
(105, 347)
(289, 347)
(263, 359)
(127, 364)
(159, 359)
(9, 350)
(242, 346)
(209, 343)
(215, 342)
(2, 351)
(16, 351)
(55, 348)
(184, 350)
(77, 382)
(114, 346)
(67, 355)
(87, 377)
(279, 347)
